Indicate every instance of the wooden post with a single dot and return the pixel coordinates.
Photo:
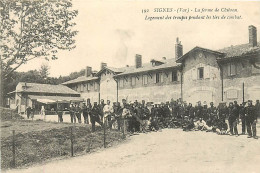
(13, 149)
(71, 141)
(104, 133)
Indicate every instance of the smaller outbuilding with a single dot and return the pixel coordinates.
(36, 95)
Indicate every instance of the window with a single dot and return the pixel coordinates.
(133, 81)
(121, 83)
(88, 87)
(174, 76)
(145, 80)
(232, 69)
(200, 73)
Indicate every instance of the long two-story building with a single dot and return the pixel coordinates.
(201, 74)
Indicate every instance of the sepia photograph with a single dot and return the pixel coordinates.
(129, 86)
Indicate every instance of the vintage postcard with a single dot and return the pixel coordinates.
(130, 86)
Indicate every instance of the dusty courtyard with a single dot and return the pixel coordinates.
(171, 150)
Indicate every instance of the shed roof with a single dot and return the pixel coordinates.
(80, 79)
(45, 88)
(169, 63)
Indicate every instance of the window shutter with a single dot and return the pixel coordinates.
(207, 72)
(178, 76)
(154, 78)
(170, 76)
(161, 77)
(194, 74)
(228, 68)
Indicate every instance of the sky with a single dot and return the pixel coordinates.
(114, 32)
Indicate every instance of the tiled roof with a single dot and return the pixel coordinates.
(46, 88)
(80, 79)
(199, 48)
(149, 67)
(239, 50)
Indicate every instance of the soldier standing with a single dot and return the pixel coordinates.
(94, 116)
(257, 107)
(191, 111)
(28, 111)
(101, 107)
(198, 110)
(242, 117)
(222, 111)
(251, 120)
(174, 109)
(86, 110)
(72, 113)
(59, 112)
(78, 113)
(107, 111)
(205, 114)
(212, 111)
(232, 119)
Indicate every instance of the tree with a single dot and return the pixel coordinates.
(33, 29)
(44, 71)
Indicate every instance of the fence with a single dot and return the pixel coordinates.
(21, 149)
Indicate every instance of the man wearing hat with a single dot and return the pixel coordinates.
(205, 114)
(242, 117)
(251, 120)
(222, 111)
(59, 112)
(212, 111)
(232, 119)
(94, 116)
(78, 112)
(72, 113)
(198, 110)
(107, 111)
(257, 107)
(86, 109)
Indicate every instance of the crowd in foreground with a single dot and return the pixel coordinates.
(138, 117)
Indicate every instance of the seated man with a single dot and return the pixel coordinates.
(221, 128)
(200, 124)
(187, 124)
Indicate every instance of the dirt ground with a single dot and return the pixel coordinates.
(39, 141)
(171, 150)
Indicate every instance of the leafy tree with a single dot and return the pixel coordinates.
(44, 71)
(34, 29)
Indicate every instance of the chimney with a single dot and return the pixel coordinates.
(178, 49)
(94, 73)
(252, 36)
(88, 71)
(103, 65)
(138, 61)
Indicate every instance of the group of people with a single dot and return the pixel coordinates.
(143, 117)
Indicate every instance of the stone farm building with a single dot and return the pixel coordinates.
(35, 95)
(228, 74)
